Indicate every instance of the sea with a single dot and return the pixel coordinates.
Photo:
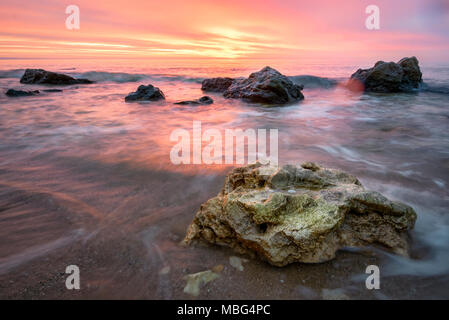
(86, 179)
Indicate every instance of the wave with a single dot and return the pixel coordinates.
(162, 77)
(31, 253)
(13, 73)
(314, 82)
(119, 77)
(104, 76)
(435, 87)
(432, 231)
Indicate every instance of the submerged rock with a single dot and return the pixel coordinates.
(202, 100)
(385, 77)
(52, 90)
(145, 93)
(40, 76)
(21, 93)
(265, 86)
(216, 84)
(257, 213)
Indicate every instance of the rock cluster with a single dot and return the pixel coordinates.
(40, 76)
(299, 214)
(267, 86)
(386, 77)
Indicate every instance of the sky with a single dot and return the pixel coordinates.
(325, 30)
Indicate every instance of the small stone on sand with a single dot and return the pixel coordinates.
(164, 270)
(196, 280)
(218, 268)
(236, 262)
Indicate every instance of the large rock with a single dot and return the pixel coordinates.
(404, 76)
(265, 86)
(216, 84)
(145, 93)
(40, 76)
(299, 214)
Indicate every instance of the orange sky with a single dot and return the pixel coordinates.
(228, 29)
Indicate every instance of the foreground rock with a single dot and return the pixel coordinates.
(201, 101)
(265, 86)
(40, 76)
(216, 84)
(299, 214)
(146, 93)
(21, 93)
(385, 77)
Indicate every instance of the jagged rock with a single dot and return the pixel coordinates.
(412, 78)
(265, 86)
(40, 76)
(21, 93)
(299, 214)
(216, 84)
(202, 100)
(404, 76)
(145, 93)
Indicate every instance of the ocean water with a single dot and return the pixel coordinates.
(86, 179)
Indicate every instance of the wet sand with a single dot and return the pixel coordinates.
(121, 253)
